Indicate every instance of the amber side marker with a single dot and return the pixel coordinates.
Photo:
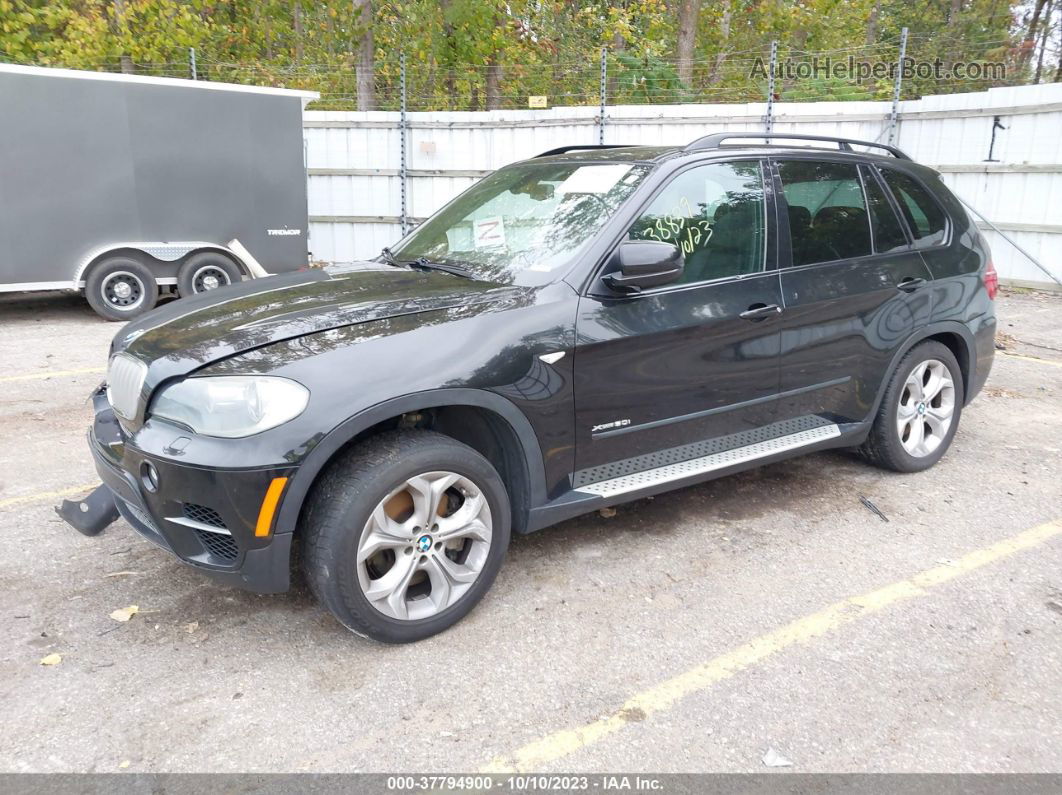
(269, 507)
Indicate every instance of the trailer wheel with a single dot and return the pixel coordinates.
(206, 271)
(121, 288)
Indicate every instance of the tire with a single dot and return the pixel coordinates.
(206, 271)
(121, 288)
(894, 441)
(369, 490)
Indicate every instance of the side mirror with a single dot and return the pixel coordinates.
(645, 263)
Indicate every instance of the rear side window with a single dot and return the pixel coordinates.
(886, 228)
(924, 216)
(827, 212)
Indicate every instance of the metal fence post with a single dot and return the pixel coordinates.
(601, 108)
(402, 168)
(769, 119)
(191, 63)
(897, 85)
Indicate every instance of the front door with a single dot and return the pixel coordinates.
(687, 361)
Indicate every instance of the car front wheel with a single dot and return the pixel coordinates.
(405, 534)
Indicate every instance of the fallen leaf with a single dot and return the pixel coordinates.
(774, 759)
(51, 659)
(123, 765)
(125, 613)
(191, 626)
(607, 513)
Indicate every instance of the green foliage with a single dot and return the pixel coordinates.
(648, 79)
(459, 51)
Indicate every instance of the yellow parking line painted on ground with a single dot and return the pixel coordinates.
(50, 374)
(40, 496)
(537, 753)
(1036, 359)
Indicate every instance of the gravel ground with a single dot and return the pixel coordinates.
(962, 677)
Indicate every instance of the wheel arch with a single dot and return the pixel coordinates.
(485, 421)
(955, 336)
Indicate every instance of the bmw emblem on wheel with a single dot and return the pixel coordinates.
(424, 543)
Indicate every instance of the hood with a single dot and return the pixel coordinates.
(192, 332)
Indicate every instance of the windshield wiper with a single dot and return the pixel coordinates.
(426, 264)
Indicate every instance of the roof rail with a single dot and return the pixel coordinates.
(560, 150)
(715, 140)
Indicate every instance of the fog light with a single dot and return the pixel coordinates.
(149, 476)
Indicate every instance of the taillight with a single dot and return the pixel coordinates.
(991, 280)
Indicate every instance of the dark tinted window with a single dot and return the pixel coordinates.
(715, 214)
(888, 233)
(827, 212)
(923, 214)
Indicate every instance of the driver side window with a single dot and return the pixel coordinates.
(715, 215)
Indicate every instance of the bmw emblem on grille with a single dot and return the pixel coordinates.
(424, 543)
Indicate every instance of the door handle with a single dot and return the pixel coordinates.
(761, 311)
(910, 284)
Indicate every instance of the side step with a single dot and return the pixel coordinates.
(709, 463)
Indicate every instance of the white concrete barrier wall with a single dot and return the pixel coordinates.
(353, 159)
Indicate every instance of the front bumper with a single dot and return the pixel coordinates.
(206, 517)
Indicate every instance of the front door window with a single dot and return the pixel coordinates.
(715, 214)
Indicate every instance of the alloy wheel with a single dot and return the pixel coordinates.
(424, 546)
(926, 408)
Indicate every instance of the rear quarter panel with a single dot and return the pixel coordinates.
(959, 294)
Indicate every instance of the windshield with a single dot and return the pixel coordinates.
(525, 221)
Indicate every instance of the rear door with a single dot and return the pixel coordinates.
(679, 363)
(854, 289)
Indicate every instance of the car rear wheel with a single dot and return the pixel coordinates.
(121, 288)
(919, 414)
(403, 536)
(206, 271)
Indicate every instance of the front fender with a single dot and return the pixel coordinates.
(323, 452)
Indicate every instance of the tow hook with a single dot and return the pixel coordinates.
(91, 514)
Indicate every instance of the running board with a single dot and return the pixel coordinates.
(693, 467)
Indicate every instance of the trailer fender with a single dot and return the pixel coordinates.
(164, 252)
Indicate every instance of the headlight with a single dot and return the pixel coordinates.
(231, 405)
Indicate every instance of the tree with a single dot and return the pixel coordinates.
(688, 12)
(464, 54)
(365, 66)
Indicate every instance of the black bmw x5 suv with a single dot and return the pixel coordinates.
(588, 327)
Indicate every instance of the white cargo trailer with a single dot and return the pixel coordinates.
(121, 185)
